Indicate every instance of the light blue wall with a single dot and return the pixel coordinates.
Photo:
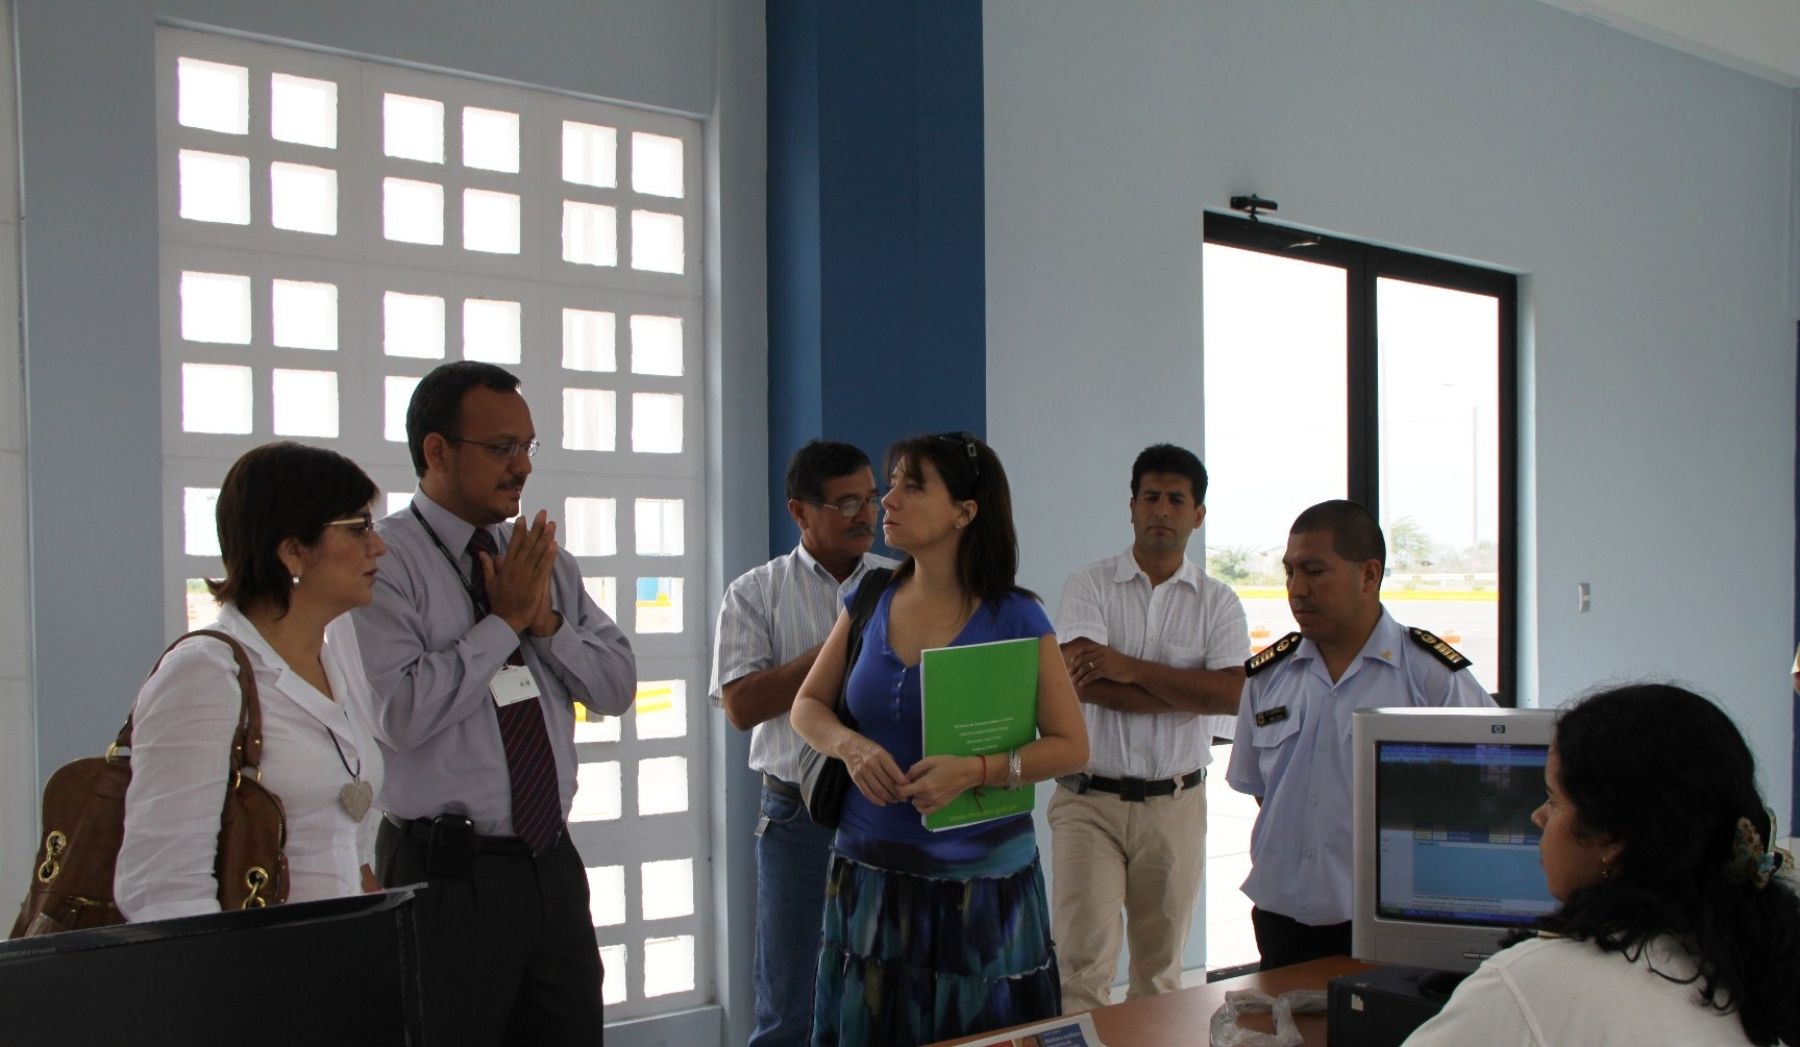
(736, 462)
(88, 137)
(1644, 194)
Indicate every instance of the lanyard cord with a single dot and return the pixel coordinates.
(482, 608)
(467, 584)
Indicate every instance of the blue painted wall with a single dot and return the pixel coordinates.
(877, 296)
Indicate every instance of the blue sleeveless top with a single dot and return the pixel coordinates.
(884, 698)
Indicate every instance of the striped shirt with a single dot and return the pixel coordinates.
(771, 615)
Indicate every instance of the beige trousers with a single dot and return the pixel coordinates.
(1146, 858)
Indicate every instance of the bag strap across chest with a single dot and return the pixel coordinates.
(246, 741)
(862, 608)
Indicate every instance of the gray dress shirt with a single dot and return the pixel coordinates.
(430, 662)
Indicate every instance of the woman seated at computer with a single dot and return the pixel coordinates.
(1677, 923)
(929, 935)
(299, 551)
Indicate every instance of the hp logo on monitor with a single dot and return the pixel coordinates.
(1498, 728)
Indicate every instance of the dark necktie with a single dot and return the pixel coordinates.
(531, 766)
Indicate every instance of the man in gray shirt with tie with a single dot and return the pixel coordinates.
(771, 624)
(477, 643)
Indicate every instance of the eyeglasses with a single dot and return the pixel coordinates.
(968, 444)
(361, 525)
(849, 506)
(512, 450)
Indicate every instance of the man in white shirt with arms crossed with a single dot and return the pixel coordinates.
(1156, 650)
(771, 623)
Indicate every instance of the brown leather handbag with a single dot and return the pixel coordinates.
(84, 824)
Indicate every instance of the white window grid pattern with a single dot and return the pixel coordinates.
(363, 265)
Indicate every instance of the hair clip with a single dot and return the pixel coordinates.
(967, 440)
(1752, 859)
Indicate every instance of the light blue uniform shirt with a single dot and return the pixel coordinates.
(1301, 846)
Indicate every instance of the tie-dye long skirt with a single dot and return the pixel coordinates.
(911, 959)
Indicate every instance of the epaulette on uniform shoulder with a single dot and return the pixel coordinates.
(1271, 654)
(1440, 650)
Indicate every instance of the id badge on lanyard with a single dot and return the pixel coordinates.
(513, 684)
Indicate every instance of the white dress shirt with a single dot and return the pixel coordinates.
(771, 615)
(185, 717)
(431, 663)
(1549, 992)
(1190, 621)
(1299, 761)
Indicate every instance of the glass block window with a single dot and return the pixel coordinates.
(332, 229)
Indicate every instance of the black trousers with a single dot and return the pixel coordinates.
(507, 953)
(1284, 941)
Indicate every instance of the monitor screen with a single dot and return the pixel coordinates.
(1446, 855)
(1456, 841)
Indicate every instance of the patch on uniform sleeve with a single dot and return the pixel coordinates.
(1271, 654)
(1440, 650)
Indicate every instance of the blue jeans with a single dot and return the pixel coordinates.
(792, 856)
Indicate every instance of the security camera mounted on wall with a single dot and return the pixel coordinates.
(1252, 205)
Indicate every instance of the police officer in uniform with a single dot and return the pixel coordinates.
(1293, 741)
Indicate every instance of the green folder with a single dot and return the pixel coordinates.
(980, 698)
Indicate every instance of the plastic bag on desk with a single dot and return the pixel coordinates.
(1227, 1033)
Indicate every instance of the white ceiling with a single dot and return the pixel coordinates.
(1759, 37)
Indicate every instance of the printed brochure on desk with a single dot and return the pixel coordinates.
(1063, 1032)
(980, 698)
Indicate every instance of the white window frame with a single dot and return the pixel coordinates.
(363, 265)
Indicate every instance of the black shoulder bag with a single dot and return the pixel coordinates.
(824, 779)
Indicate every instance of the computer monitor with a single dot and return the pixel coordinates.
(1446, 853)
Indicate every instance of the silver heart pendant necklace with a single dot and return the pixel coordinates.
(356, 795)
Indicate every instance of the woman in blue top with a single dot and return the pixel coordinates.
(929, 935)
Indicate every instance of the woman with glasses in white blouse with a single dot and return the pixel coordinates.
(299, 548)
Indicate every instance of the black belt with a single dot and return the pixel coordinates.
(1131, 790)
(419, 829)
(780, 788)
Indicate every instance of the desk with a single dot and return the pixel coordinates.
(1183, 1016)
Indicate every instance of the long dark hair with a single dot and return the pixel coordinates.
(987, 553)
(1667, 773)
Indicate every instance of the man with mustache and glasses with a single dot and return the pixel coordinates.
(1292, 750)
(771, 624)
(478, 642)
(1156, 651)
